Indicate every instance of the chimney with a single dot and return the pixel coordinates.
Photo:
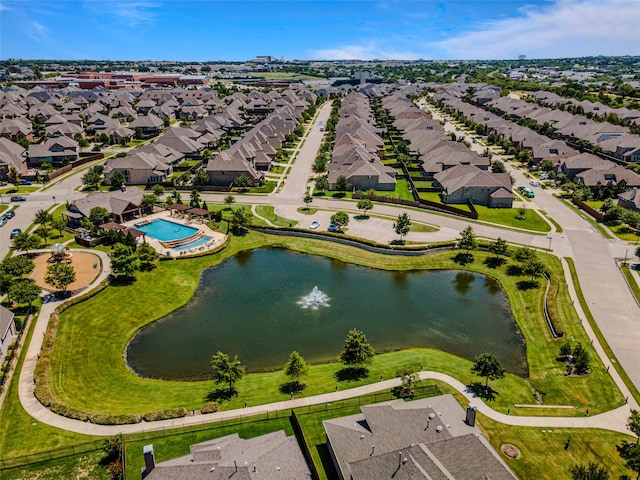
(634, 192)
(149, 460)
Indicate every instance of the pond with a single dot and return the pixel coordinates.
(262, 305)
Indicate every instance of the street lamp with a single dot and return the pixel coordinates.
(549, 238)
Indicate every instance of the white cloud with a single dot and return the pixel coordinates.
(129, 13)
(567, 28)
(38, 32)
(369, 51)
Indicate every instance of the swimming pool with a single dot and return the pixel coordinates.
(195, 243)
(166, 231)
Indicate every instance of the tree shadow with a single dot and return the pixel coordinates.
(239, 231)
(221, 394)
(463, 258)
(351, 374)
(361, 217)
(121, 281)
(319, 194)
(339, 195)
(494, 262)
(396, 242)
(525, 285)
(514, 271)
(403, 392)
(482, 391)
(291, 388)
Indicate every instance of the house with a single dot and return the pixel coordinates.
(12, 155)
(422, 439)
(121, 204)
(139, 168)
(7, 330)
(273, 456)
(148, 124)
(465, 182)
(56, 150)
(630, 200)
(228, 165)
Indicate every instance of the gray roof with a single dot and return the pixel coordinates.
(400, 440)
(273, 456)
(6, 318)
(116, 202)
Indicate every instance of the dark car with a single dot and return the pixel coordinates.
(25, 182)
(15, 232)
(18, 198)
(9, 214)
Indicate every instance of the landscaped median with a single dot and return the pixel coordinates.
(88, 372)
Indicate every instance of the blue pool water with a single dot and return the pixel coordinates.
(165, 231)
(195, 243)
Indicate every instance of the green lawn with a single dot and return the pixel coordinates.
(82, 466)
(268, 212)
(631, 280)
(401, 191)
(624, 233)
(92, 337)
(507, 217)
(20, 189)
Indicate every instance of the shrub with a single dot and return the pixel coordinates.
(165, 414)
(210, 407)
(68, 412)
(43, 394)
(123, 419)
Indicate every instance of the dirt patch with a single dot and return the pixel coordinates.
(510, 450)
(86, 265)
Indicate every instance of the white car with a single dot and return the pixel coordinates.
(314, 225)
(533, 183)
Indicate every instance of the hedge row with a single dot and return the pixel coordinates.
(210, 407)
(552, 306)
(165, 414)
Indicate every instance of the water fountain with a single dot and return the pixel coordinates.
(314, 300)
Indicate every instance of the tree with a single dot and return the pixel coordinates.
(58, 224)
(195, 198)
(14, 178)
(91, 179)
(44, 231)
(593, 471)
(533, 267)
(60, 275)
(523, 254)
(581, 360)
(158, 190)
(42, 217)
(365, 205)
(296, 368)
(24, 292)
(201, 177)
(228, 201)
(342, 184)
(498, 248)
(25, 242)
(149, 199)
(124, 262)
(116, 180)
(99, 215)
(357, 352)
(408, 379)
(565, 350)
(340, 219)
(243, 181)
(17, 266)
(467, 240)
(630, 453)
(634, 423)
(498, 167)
(402, 225)
(240, 220)
(147, 256)
(322, 183)
(307, 200)
(104, 139)
(226, 370)
(487, 365)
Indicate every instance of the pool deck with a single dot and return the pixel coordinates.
(217, 238)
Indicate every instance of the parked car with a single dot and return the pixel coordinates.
(9, 214)
(475, 140)
(18, 198)
(3, 221)
(332, 228)
(15, 232)
(522, 188)
(534, 183)
(25, 182)
(529, 193)
(314, 225)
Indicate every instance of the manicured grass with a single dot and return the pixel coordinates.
(268, 212)
(596, 329)
(624, 233)
(555, 224)
(268, 187)
(89, 372)
(3, 207)
(588, 218)
(543, 455)
(401, 191)
(21, 433)
(85, 465)
(507, 217)
(20, 189)
(277, 169)
(631, 280)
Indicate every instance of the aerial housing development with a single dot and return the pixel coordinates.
(352, 266)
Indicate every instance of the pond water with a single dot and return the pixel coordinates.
(262, 305)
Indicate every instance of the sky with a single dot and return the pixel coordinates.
(209, 30)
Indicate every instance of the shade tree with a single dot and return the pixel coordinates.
(226, 370)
